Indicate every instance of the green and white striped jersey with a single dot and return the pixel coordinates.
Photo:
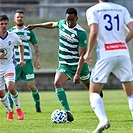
(26, 36)
(70, 40)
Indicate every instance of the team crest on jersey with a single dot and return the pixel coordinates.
(9, 43)
(72, 35)
(25, 34)
(4, 51)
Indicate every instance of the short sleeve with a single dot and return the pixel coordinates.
(127, 17)
(82, 39)
(91, 16)
(60, 23)
(33, 39)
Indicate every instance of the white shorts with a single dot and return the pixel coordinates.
(7, 74)
(120, 66)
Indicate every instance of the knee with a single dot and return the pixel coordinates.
(2, 93)
(31, 86)
(10, 86)
(12, 90)
(57, 84)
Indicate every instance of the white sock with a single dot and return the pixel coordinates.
(5, 102)
(130, 101)
(15, 99)
(98, 106)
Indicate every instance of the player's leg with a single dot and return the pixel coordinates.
(10, 99)
(59, 81)
(99, 77)
(85, 77)
(124, 73)
(87, 84)
(96, 101)
(27, 75)
(4, 100)
(35, 95)
(15, 98)
(98, 106)
(18, 75)
(127, 86)
(62, 75)
(10, 83)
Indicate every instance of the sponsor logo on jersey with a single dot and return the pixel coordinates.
(115, 46)
(63, 34)
(23, 37)
(29, 76)
(68, 37)
(9, 74)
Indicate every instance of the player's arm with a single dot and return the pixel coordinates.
(20, 48)
(48, 25)
(37, 60)
(91, 41)
(130, 33)
(33, 40)
(82, 51)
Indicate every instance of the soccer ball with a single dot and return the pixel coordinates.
(59, 116)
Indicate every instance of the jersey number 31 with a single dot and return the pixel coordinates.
(109, 19)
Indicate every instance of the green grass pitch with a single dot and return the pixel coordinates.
(116, 107)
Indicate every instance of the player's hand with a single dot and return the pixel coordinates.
(1, 55)
(37, 64)
(87, 58)
(22, 63)
(76, 79)
(30, 27)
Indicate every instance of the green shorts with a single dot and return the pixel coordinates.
(71, 70)
(25, 73)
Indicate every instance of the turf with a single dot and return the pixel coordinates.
(85, 120)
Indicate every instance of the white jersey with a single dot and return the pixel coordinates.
(111, 19)
(7, 47)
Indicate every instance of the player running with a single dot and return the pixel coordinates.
(7, 67)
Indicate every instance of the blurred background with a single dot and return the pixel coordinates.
(39, 11)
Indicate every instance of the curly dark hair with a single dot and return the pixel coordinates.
(71, 11)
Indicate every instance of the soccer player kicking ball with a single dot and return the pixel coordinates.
(106, 21)
(72, 47)
(7, 67)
